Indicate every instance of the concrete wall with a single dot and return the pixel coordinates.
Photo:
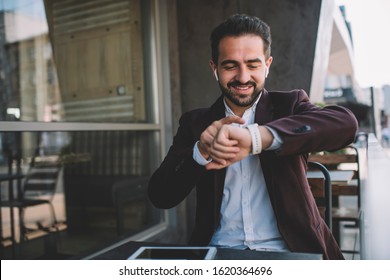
(294, 25)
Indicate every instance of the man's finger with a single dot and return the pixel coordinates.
(232, 119)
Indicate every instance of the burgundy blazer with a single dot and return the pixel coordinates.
(303, 127)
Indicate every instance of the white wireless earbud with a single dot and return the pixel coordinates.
(266, 71)
(215, 74)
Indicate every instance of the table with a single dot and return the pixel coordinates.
(342, 181)
(10, 178)
(336, 176)
(123, 251)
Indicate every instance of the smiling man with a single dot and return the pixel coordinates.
(242, 69)
(246, 155)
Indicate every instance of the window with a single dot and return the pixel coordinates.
(80, 83)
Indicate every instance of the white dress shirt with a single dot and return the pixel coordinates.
(247, 216)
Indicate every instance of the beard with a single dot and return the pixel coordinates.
(239, 99)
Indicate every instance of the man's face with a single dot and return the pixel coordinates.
(241, 70)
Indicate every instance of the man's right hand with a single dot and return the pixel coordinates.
(208, 137)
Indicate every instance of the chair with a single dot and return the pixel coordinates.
(38, 189)
(340, 213)
(322, 192)
(127, 191)
(333, 161)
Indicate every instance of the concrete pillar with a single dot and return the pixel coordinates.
(294, 26)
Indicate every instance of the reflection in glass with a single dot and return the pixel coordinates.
(76, 61)
(81, 61)
(101, 194)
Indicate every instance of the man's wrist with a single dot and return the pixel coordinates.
(256, 138)
(202, 151)
(198, 156)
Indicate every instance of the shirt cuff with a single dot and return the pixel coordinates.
(198, 156)
(277, 142)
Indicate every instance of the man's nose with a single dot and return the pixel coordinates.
(243, 76)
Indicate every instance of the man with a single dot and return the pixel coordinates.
(246, 155)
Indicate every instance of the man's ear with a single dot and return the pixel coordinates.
(214, 69)
(268, 63)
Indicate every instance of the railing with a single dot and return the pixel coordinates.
(375, 219)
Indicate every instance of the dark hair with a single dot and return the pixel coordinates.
(237, 25)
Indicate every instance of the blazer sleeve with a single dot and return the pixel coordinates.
(179, 172)
(310, 128)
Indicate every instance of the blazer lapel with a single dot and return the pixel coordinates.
(264, 109)
(217, 110)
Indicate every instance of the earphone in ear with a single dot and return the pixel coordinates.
(215, 74)
(266, 71)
